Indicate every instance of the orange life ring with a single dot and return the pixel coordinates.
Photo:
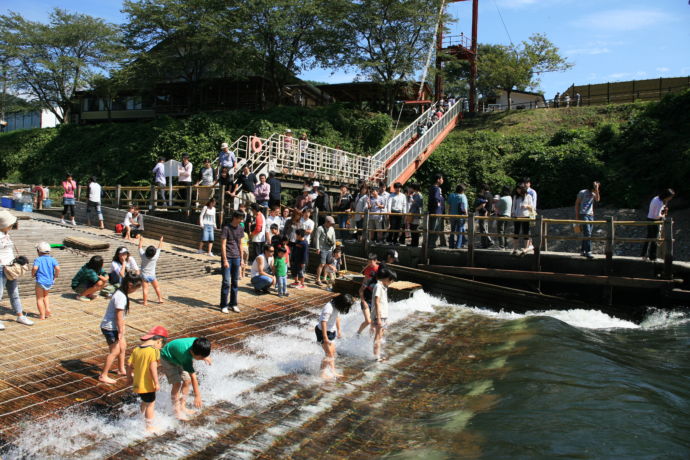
(256, 144)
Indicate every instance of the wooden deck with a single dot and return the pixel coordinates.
(55, 363)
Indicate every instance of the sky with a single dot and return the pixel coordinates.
(606, 40)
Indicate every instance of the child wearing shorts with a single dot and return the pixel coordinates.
(177, 362)
(149, 260)
(46, 270)
(379, 311)
(207, 222)
(326, 329)
(142, 371)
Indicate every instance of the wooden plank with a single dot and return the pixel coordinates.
(574, 278)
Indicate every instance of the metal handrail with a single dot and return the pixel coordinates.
(395, 144)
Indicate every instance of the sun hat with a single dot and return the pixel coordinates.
(7, 219)
(330, 219)
(43, 247)
(224, 145)
(154, 331)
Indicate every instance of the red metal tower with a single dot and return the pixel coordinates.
(460, 47)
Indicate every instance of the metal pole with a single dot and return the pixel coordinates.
(668, 248)
(425, 243)
(470, 239)
(365, 235)
(538, 241)
(473, 59)
(610, 239)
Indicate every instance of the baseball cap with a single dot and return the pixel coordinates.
(330, 219)
(154, 331)
(316, 184)
(43, 247)
(288, 130)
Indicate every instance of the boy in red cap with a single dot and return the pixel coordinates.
(142, 370)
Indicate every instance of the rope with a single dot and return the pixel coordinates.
(431, 51)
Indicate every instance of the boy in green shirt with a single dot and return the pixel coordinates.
(177, 361)
(280, 266)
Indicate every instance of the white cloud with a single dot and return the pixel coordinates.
(663, 69)
(590, 51)
(619, 75)
(624, 20)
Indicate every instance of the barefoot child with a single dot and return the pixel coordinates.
(329, 321)
(113, 327)
(46, 270)
(379, 312)
(149, 260)
(177, 362)
(366, 289)
(142, 371)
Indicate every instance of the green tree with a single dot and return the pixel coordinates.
(50, 62)
(187, 40)
(386, 40)
(501, 67)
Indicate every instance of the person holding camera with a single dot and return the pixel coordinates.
(584, 209)
(8, 277)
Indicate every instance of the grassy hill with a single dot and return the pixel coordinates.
(633, 149)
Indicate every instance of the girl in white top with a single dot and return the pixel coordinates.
(207, 222)
(379, 307)
(121, 265)
(326, 329)
(523, 206)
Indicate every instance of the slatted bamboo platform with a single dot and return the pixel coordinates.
(54, 364)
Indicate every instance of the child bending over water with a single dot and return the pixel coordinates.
(326, 328)
(177, 362)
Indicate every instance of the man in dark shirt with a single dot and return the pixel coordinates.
(322, 202)
(244, 187)
(274, 195)
(231, 260)
(299, 258)
(437, 205)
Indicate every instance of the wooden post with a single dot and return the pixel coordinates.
(118, 189)
(129, 198)
(78, 192)
(188, 204)
(537, 241)
(610, 239)
(425, 243)
(668, 248)
(365, 235)
(152, 196)
(545, 236)
(221, 200)
(470, 239)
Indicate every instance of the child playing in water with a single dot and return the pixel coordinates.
(280, 266)
(113, 327)
(149, 260)
(332, 266)
(379, 311)
(366, 289)
(177, 362)
(46, 270)
(142, 371)
(326, 328)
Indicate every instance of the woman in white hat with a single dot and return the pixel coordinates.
(7, 221)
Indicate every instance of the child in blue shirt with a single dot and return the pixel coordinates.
(46, 270)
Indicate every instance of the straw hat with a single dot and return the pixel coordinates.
(7, 219)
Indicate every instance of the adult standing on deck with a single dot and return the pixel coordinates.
(584, 209)
(246, 182)
(436, 205)
(68, 200)
(325, 244)
(94, 203)
(415, 202)
(226, 159)
(159, 176)
(658, 210)
(231, 259)
(7, 222)
(396, 205)
(344, 204)
(276, 189)
(262, 191)
(184, 175)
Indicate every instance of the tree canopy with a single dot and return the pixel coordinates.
(501, 67)
(51, 62)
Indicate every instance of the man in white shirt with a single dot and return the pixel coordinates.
(306, 224)
(273, 218)
(94, 203)
(396, 204)
(184, 175)
(325, 244)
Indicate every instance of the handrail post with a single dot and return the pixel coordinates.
(118, 190)
(668, 248)
(610, 243)
(425, 243)
(221, 200)
(78, 192)
(152, 197)
(537, 241)
(470, 239)
(189, 200)
(365, 234)
(545, 235)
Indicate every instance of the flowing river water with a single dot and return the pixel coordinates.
(459, 382)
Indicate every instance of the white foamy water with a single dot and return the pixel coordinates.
(290, 349)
